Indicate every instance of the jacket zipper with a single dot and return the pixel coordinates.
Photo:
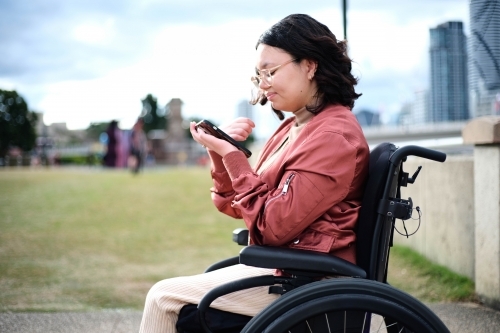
(287, 183)
(283, 191)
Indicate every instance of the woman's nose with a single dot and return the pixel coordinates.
(264, 85)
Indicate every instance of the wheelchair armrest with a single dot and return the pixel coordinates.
(298, 260)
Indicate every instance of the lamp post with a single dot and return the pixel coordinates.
(344, 15)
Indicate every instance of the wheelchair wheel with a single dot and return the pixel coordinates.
(346, 305)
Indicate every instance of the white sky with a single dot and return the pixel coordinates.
(89, 61)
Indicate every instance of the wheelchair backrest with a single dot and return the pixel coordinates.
(378, 180)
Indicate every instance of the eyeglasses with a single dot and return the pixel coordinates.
(266, 76)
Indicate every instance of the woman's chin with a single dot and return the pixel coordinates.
(277, 106)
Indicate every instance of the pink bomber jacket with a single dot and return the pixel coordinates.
(309, 197)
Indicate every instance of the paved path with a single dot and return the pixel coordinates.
(459, 317)
(468, 317)
(108, 321)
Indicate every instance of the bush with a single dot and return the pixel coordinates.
(92, 159)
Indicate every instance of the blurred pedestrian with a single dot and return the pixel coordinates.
(138, 146)
(113, 134)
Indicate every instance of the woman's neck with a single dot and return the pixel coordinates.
(302, 116)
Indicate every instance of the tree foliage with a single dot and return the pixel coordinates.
(154, 117)
(17, 123)
(95, 130)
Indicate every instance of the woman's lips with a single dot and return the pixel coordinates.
(270, 96)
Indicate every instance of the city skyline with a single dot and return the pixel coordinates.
(89, 61)
(461, 93)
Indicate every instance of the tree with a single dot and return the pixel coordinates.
(95, 130)
(154, 117)
(17, 124)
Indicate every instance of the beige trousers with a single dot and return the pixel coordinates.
(166, 298)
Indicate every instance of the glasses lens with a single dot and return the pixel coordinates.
(267, 78)
(255, 81)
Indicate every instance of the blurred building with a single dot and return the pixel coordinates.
(245, 109)
(448, 62)
(420, 105)
(367, 118)
(414, 112)
(484, 57)
(58, 133)
(177, 143)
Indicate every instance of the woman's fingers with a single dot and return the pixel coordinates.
(239, 129)
(221, 147)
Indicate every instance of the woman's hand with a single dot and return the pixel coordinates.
(239, 129)
(208, 141)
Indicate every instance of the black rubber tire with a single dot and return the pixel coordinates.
(398, 310)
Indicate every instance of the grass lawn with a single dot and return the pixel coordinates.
(83, 239)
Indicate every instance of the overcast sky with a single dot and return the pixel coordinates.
(83, 61)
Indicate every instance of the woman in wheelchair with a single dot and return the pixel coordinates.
(305, 189)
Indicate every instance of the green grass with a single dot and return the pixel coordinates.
(427, 281)
(83, 239)
(80, 239)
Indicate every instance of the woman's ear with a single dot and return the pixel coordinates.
(311, 67)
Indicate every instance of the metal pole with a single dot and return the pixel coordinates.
(344, 13)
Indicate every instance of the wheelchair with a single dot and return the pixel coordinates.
(359, 299)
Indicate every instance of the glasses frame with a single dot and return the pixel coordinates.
(268, 73)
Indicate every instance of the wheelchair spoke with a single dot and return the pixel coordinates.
(328, 323)
(364, 322)
(310, 330)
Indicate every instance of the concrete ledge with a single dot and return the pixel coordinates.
(483, 130)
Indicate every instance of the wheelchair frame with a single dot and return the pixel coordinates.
(310, 305)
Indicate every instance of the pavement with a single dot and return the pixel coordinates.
(459, 317)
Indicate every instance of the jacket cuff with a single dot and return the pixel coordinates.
(236, 164)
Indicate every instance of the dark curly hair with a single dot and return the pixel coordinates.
(305, 38)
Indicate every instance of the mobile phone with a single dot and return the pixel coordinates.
(211, 129)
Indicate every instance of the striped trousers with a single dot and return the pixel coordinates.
(166, 298)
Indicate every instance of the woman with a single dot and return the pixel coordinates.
(305, 190)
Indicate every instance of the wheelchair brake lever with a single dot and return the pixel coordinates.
(415, 175)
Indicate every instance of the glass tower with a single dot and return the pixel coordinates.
(448, 61)
(484, 57)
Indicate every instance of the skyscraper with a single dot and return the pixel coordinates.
(245, 109)
(448, 86)
(484, 57)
